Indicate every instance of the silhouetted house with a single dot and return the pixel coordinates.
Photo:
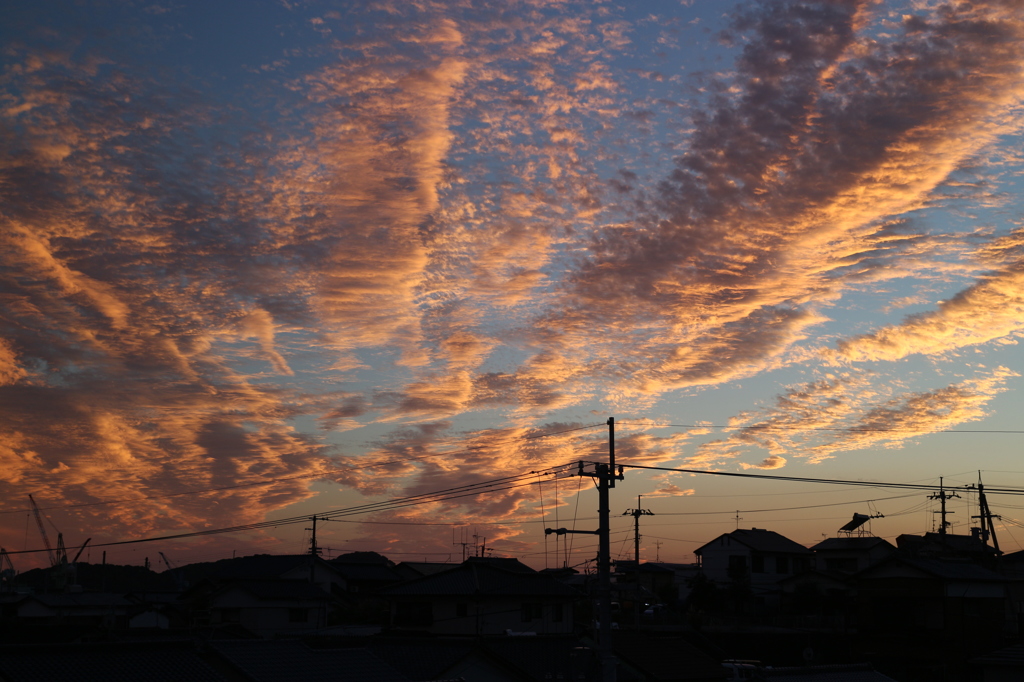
(292, 659)
(913, 596)
(483, 596)
(850, 554)
(856, 672)
(682, 575)
(949, 546)
(821, 600)
(272, 566)
(756, 557)
(1004, 665)
(265, 608)
(366, 572)
(411, 570)
(644, 657)
(104, 662)
(156, 610)
(90, 609)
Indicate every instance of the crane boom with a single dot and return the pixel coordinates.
(81, 549)
(42, 530)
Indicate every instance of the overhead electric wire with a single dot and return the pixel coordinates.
(436, 496)
(783, 427)
(320, 474)
(804, 479)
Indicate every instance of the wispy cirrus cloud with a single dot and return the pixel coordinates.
(849, 412)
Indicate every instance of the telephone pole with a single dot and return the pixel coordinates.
(942, 496)
(605, 475)
(636, 514)
(314, 551)
(985, 515)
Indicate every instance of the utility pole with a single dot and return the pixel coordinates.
(605, 476)
(314, 551)
(942, 496)
(636, 514)
(738, 519)
(985, 515)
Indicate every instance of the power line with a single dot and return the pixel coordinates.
(803, 479)
(321, 474)
(845, 429)
(494, 485)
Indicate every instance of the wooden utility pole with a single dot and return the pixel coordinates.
(942, 496)
(605, 475)
(314, 551)
(636, 514)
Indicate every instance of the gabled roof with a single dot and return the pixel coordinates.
(761, 540)
(857, 672)
(863, 542)
(104, 662)
(478, 578)
(362, 558)
(294, 661)
(666, 658)
(414, 569)
(277, 590)
(259, 565)
(944, 543)
(367, 572)
(72, 600)
(938, 568)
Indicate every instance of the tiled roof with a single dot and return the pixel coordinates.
(546, 658)
(1010, 657)
(480, 578)
(150, 662)
(761, 540)
(258, 566)
(81, 599)
(366, 572)
(948, 570)
(860, 672)
(421, 660)
(273, 590)
(426, 567)
(293, 661)
(861, 542)
(666, 658)
(362, 558)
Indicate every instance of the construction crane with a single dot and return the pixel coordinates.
(42, 531)
(7, 571)
(167, 562)
(60, 556)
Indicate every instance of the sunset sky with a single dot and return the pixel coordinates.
(260, 260)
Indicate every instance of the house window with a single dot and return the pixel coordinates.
(532, 611)
(757, 564)
(298, 615)
(231, 615)
(841, 564)
(782, 564)
(461, 610)
(737, 562)
(414, 614)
